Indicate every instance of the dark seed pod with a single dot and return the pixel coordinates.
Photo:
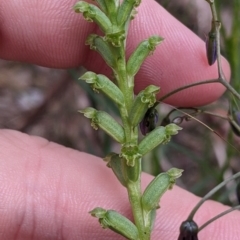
(238, 192)
(188, 230)
(211, 47)
(149, 121)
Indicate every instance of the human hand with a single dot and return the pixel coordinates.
(46, 189)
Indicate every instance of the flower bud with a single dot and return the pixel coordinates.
(125, 10)
(116, 222)
(153, 139)
(101, 82)
(105, 122)
(188, 231)
(144, 100)
(115, 36)
(104, 48)
(159, 135)
(92, 13)
(157, 187)
(172, 129)
(145, 48)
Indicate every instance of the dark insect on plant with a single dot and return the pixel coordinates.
(149, 121)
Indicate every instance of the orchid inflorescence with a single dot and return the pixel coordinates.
(113, 18)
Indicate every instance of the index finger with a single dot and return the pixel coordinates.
(51, 34)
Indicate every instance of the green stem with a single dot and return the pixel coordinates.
(214, 114)
(217, 25)
(185, 87)
(121, 77)
(133, 188)
(213, 191)
(222, 80)
(229, 87)
(134, 194)
(148, 222)
(230, 118)
(218, 216)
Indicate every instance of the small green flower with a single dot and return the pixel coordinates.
(116, 222)
(105, 122)
(131, 153)
(143, 50)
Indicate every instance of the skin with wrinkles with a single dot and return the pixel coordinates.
(49, 33)
(46, 189)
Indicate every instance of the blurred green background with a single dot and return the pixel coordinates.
(44, 102)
